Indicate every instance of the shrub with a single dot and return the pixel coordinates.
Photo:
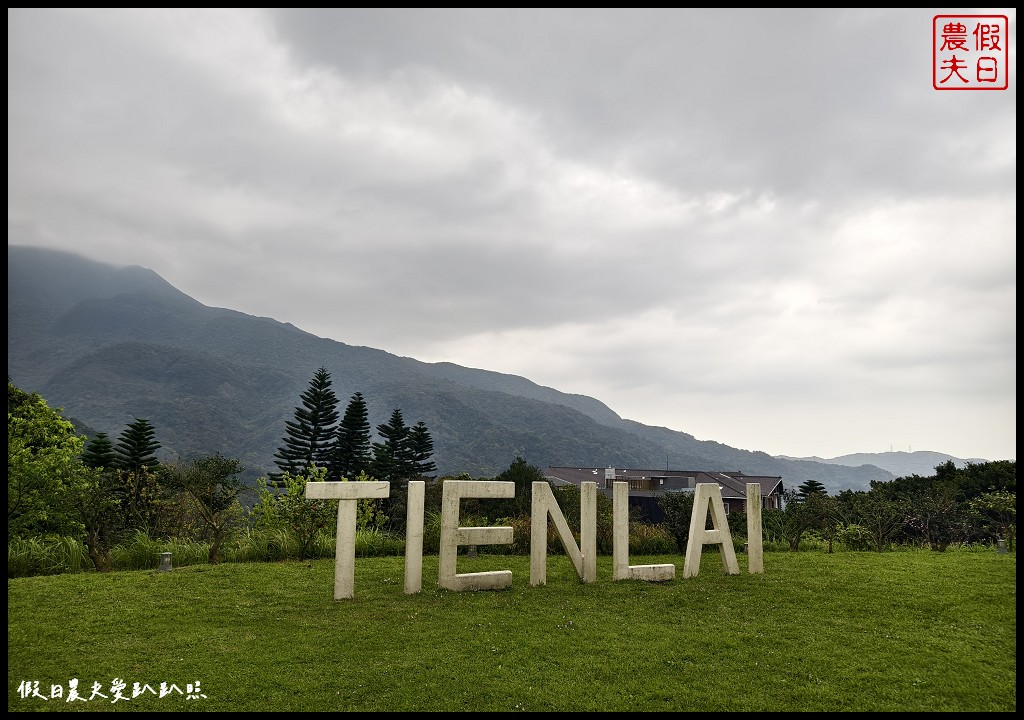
(27, 557)
(373, 542)
(647, 539)
(139, 552)
(855, 537)
(261, 544)
(431, 532)
(187, 552)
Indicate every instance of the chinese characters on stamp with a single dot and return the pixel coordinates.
(970, 52)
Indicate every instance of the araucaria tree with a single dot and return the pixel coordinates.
(136, 484)
(421, 447)
(137, 446)
(310, 435)
(810, 487)
(351, 451)
(392, 458)
(404, 452)
(99, 452)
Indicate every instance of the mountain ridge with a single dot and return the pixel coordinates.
(899, 463)
(108, 344)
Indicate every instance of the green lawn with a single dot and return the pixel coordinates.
(896, 631)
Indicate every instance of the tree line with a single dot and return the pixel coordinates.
(973, 504)
(62, 485)
(103, 493)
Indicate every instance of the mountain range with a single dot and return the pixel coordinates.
(108, 344)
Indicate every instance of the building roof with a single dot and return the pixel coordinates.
(732, 484)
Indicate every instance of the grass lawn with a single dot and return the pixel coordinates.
(896, 631)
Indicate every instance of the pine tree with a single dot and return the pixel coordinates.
(392, 458)
(137, 446)
(99, 452)
(309, 436)
(421, 446)
(351, 452)
(136, 486)
(810, 487)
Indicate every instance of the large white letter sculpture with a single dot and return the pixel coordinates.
(584, 557)
(621, 569)
(414, 538)
(348, 494)
(755, 544)
(709, 497)
(452, 535)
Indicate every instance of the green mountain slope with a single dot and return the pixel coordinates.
(110, 344)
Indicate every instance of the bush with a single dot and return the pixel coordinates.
(812, 540)
(260, 544)
(139, 552)
(521, 533)
(187, 552)
(647, 539)
(27, 557)
(431, 532)
(373, 542)
(855, 537)
(678, 508)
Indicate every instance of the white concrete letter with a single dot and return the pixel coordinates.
(755, 542)
(709, 497)
(414, 538)
(348, 494)
(543, 503)
(452, 491)
(621, 569)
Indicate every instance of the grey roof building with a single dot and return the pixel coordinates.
(652, 483)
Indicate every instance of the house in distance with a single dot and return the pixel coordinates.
(645, 486)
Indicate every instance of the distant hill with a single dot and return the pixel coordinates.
(900, 464)
(108, 344)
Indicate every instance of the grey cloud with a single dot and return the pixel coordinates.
(758, 204)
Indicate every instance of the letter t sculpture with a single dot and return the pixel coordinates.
(348, 494)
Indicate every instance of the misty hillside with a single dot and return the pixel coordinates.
(110, 344)
(900, 464)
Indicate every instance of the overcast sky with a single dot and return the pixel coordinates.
(760, 227)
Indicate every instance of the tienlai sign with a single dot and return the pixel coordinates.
(707, 500)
